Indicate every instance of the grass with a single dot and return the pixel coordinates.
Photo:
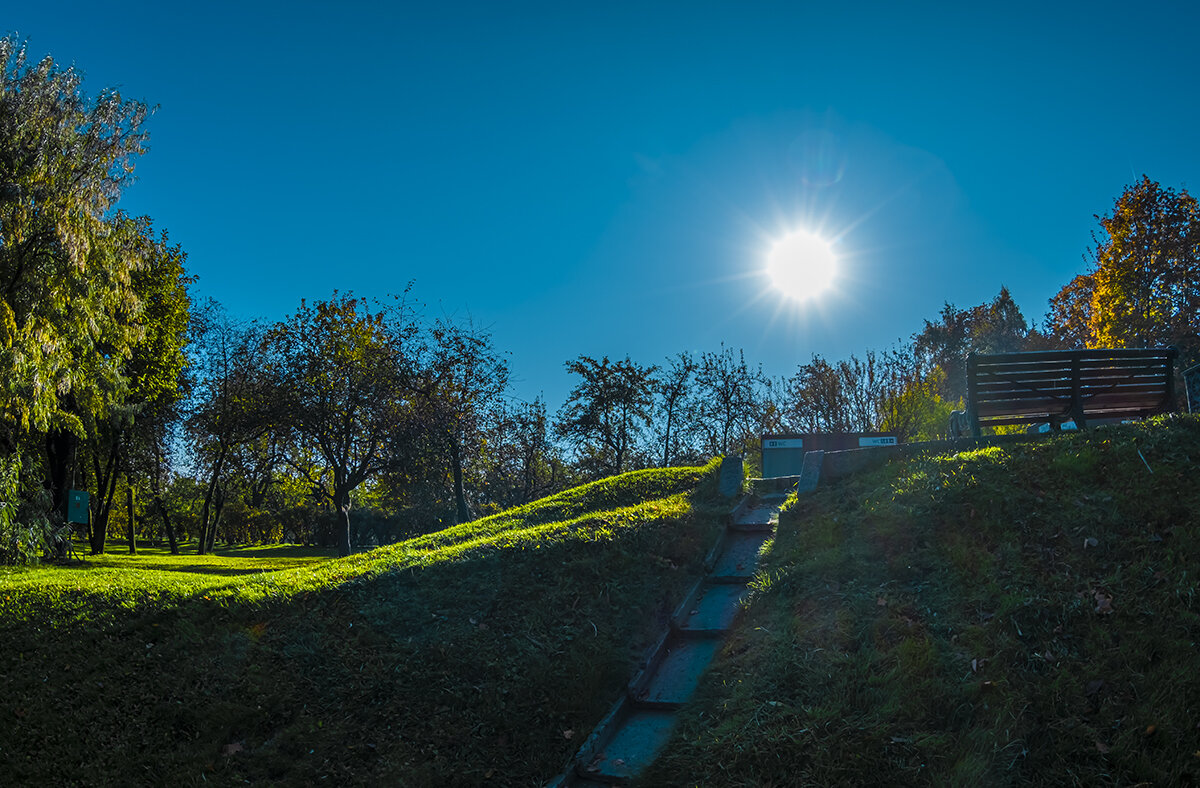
(478, 655)
(1017, 616)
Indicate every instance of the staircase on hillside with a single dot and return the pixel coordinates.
(631, 736)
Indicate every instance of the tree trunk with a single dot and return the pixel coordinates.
(202, 548)
(167, 525)
(106, 488)
(132, 529)
(218, 510)
(460, 498)
(667, 440)
(343, 522)
(61, 448)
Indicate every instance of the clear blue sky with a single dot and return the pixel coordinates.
(607, 178)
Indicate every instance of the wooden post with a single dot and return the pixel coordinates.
(132, 529)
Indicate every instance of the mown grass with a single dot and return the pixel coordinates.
(1017, 616)
(478, 655)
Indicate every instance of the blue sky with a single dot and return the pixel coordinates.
(608, 178)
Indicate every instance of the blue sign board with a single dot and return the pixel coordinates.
(77, 507)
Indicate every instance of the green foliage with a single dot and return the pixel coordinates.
(1008, 616)
(1143, 289)
(482, 657)
(64, 160)
(25, 531)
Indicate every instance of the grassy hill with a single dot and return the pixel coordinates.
(480, 654)
(1017, 616)
(1008, 616)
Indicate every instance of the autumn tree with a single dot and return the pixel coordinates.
(605, 413)
(1143, 286)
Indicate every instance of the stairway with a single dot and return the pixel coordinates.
(631, 736)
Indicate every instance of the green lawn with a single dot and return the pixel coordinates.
(478, 655)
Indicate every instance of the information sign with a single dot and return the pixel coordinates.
(77, 507)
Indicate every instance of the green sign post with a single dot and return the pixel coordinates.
(77, 507)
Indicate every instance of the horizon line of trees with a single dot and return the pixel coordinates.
(358, 421)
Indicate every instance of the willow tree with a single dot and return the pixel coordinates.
(65, 270)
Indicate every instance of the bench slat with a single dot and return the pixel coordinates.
(1022, 388)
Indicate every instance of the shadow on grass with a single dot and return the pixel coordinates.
(484, 669)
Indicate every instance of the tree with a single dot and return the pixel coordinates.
(231, 403)
(67, 304)
(1143, 289)
(523, 463)
(64, 272)
(994, 327)
(727, 400)
(606, 411)
(149, 371)
(674, 389)
(344, 373)
(468, 380)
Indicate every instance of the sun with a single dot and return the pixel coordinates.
(801, 265)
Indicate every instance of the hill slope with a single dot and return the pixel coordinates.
(482, 653)
(1016, 616)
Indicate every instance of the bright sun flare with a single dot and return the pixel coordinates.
(801, 265)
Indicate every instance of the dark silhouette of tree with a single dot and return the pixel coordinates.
(606, 411)
(674, 391)
(468, 379)
(994, 327)
(727, 401)
(232, 404)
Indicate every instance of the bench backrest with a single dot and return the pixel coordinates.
(1057, 385)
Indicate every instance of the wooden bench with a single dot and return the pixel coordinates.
(1065, 385)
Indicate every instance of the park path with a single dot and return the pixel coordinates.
(633, 734)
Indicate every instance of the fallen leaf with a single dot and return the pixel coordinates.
(1091, 541)
(568, 733)
(1094, 686)
(231, 748)
(1101, 746)
(881, 602)
(1103, 603)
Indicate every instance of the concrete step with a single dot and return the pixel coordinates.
(711, 608)
(677, 674)
(636, 739)
(738, 557)
(761, 516)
